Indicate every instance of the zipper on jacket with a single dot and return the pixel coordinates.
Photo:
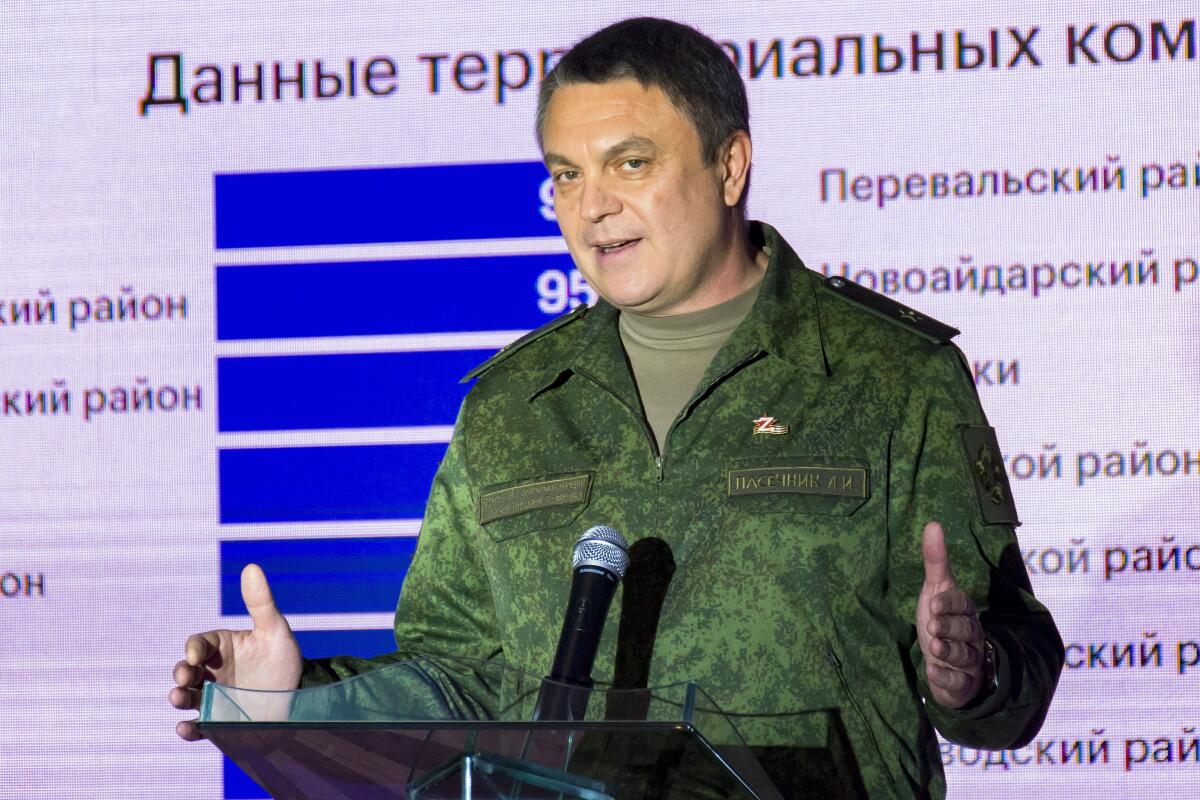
(703, 390)
(637, 413)
(660, 457)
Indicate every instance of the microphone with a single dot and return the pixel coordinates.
(600, 559)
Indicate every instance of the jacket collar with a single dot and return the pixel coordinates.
(783, 322)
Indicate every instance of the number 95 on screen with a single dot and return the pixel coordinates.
(559, 290)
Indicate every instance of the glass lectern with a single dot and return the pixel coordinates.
(463, 729)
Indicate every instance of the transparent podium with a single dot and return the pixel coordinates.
(426, 729)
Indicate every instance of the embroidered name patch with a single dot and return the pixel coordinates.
(833, 481)
(528, 496)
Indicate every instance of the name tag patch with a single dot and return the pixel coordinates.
(529, 496)
(829, 481)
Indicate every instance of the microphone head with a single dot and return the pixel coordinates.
(604, 547)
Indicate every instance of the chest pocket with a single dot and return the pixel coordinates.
(538, 503)
(825, 485)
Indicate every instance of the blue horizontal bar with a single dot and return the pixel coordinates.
(299, 484)
(362, 643)
(371, 298)
(388, 204)
(320, 576)
(357, 390)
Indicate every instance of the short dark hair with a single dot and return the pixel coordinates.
(691, 69)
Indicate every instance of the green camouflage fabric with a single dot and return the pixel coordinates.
(798, 554)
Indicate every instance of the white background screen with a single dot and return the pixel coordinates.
(239, 273)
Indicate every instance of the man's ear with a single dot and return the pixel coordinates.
(735, 157)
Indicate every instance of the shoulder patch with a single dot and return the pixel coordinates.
(887, 308)
(536, 333)
(990, 479)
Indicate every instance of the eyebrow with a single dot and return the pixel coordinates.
(621, 147)
(627, 144)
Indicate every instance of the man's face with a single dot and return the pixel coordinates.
(642, 214)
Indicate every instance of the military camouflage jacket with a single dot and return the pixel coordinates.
(797, 552)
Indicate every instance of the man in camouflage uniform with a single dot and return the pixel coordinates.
(790, 448)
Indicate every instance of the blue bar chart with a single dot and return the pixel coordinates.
(344, 437)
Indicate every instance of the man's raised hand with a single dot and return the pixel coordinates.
(266, 657)
(947, 628)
